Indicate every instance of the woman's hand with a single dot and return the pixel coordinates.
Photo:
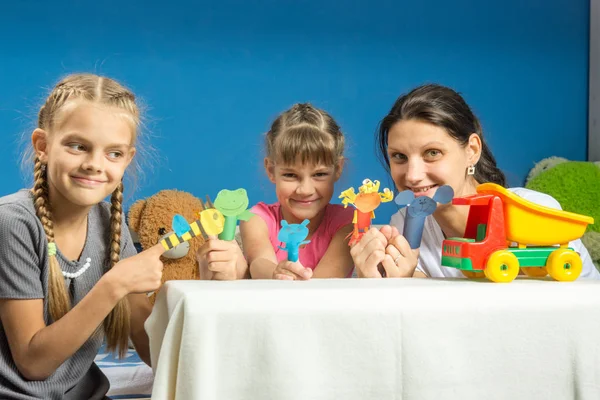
(369, 253)
(400, 260)
(384, 253)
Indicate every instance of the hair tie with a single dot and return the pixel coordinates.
(51, 249)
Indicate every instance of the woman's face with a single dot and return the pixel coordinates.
(424, 156)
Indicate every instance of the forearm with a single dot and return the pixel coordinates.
(261, 268)
(55, 343)
(141, 308)
(331, 271)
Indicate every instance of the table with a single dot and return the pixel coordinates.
(409, 339)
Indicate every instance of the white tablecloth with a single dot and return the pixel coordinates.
(410, 339)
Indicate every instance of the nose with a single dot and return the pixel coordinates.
(94, 162)
(415, 171)
(305, 187)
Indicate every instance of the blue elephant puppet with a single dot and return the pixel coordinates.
(293, 235)
(418, 209)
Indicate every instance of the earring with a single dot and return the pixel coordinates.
(471, 170)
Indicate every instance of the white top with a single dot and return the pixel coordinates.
(430, 256)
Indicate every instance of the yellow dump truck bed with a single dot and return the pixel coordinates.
(528, 223)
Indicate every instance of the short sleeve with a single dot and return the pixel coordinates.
(20, 262)
(127, 246)
(265, 212)
(340, 217)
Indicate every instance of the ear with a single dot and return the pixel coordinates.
(130, 154)
(339, 167)
(270, 169)
(39, 139)
(473, 149)
(135, 214)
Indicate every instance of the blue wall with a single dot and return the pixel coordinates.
(220, 71)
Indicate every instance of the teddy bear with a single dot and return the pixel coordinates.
(576, 186)
(150, 220)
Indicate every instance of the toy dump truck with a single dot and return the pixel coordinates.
(506, 233)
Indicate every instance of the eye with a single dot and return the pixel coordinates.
(76, 147)
(321, 174)
(433, 154)
(115, 154)
(397, 157)
(289, 175)
(162, 231)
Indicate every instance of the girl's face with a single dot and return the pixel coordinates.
(424, 156)
(303, 190)
(86, 153)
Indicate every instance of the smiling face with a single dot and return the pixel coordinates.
(424, 156)
(86, 153)
(303, 190)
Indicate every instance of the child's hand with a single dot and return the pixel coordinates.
(400, 260)
(369, 252)
(287, 270)
(141, 273)
(219, 259)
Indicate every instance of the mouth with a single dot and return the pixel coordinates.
(421, 190)
(87, 181)
(304, 202)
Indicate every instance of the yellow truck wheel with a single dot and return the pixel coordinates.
(535, 272)
(502, 266)
(564, 265)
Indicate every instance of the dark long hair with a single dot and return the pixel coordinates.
(443, 107)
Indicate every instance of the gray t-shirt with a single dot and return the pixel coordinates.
(24, 275)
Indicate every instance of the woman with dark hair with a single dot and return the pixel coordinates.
(431, 138)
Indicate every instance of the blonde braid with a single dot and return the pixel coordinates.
(58, 302)
(94, 89)
(117, 323)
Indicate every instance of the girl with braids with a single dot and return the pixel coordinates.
(69, 273)
(304, 158)
(431, 138)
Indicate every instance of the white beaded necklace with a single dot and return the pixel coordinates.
(72, 275)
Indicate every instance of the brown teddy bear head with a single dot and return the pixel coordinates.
(152, 218)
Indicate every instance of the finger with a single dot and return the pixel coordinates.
(219, 255)
(371, 241)
(283, 277)
(369, 268)
(297, 269)
(387, 231)
(220, 266)
(215, 243)
(366, 247)
(223, 276)
(391, 269)
(400, 243)
(395, 232)
(392, 251)
(156, 250)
